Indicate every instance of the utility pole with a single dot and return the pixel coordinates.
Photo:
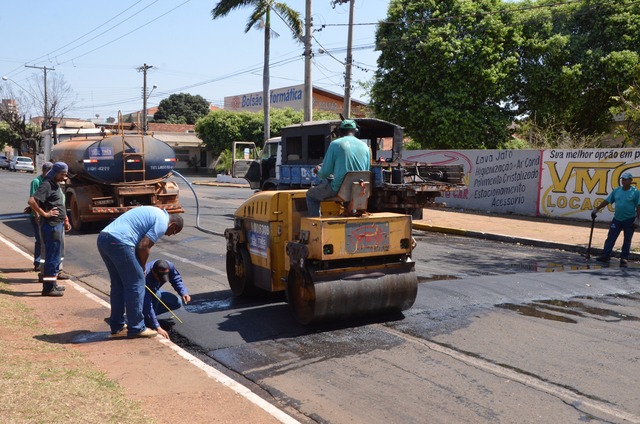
(45, 123)
(308, 85)
(347, 74)
(144, 70)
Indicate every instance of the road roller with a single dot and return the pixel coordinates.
(347, 263)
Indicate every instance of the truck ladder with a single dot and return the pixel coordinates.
(129, 159)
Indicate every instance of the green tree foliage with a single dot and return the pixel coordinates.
(182, 108)
(7, 136)
(225, 161)
(455, 73)
(444, 71)
(574, 58)
(627, 108)
(221, 128)
(14, 130)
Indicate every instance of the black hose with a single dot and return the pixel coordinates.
(204, 230)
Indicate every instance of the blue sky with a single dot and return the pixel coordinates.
(97, 47)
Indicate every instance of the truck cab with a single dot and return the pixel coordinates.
(262, 173)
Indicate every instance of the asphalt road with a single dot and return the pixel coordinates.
(494, 335)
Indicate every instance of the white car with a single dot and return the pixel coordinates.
(21, 163)
(4, 162)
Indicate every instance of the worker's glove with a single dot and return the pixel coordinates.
(594, 213)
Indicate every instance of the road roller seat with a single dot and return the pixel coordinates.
(354, 192)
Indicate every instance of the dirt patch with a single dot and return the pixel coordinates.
(45, 382)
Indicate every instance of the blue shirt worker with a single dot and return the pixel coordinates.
(124, 246)
(627, 210)
(48, 203)
(344, 154)
(158, 273)
(38, 258)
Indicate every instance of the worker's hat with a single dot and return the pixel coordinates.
(57, 168)
(161, 268)
(348, 124)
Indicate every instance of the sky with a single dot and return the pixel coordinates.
(98, 46)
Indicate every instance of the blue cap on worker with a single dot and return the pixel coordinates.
(56, 169)
(348, 124)
(46, 166)
(626, 176)
(161, 268)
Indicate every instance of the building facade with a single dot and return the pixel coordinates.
(292, 97)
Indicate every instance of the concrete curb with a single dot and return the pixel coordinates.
(515, 240)
(217, 184)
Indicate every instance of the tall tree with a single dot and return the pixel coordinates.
(181, 108)
(30, 97)
(261, 18)
(444, 71)
(575, 58)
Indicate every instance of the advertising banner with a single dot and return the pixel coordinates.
(573, 180)
(501, 181)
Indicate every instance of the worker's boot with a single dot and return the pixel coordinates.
(49, 288)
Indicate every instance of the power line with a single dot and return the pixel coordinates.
(82, 36)
(128, 33)
(104, 32)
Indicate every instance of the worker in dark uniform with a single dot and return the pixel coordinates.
(38, 260)
(48, 203)
(158, 273)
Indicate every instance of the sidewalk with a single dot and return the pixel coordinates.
(173, 385)
(177, 387)
(564, 234)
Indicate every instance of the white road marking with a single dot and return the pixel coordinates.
(569, 396)
(196, 264)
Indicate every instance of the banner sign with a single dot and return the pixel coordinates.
(504, 181)
(574, 180)
(555, 182)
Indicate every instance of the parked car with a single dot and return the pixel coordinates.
(4, 162)
(21, 163)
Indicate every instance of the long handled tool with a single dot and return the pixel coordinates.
(593, 223)
(163, 304)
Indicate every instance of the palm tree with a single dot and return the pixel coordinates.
(261, 18)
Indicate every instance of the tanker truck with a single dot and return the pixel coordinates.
(110, 174)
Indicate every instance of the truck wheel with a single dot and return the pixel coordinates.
(239, 272)
(417, 214)
(76, 221)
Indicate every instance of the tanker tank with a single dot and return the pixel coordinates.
(116, 159)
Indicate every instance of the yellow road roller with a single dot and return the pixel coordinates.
(347, 263)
